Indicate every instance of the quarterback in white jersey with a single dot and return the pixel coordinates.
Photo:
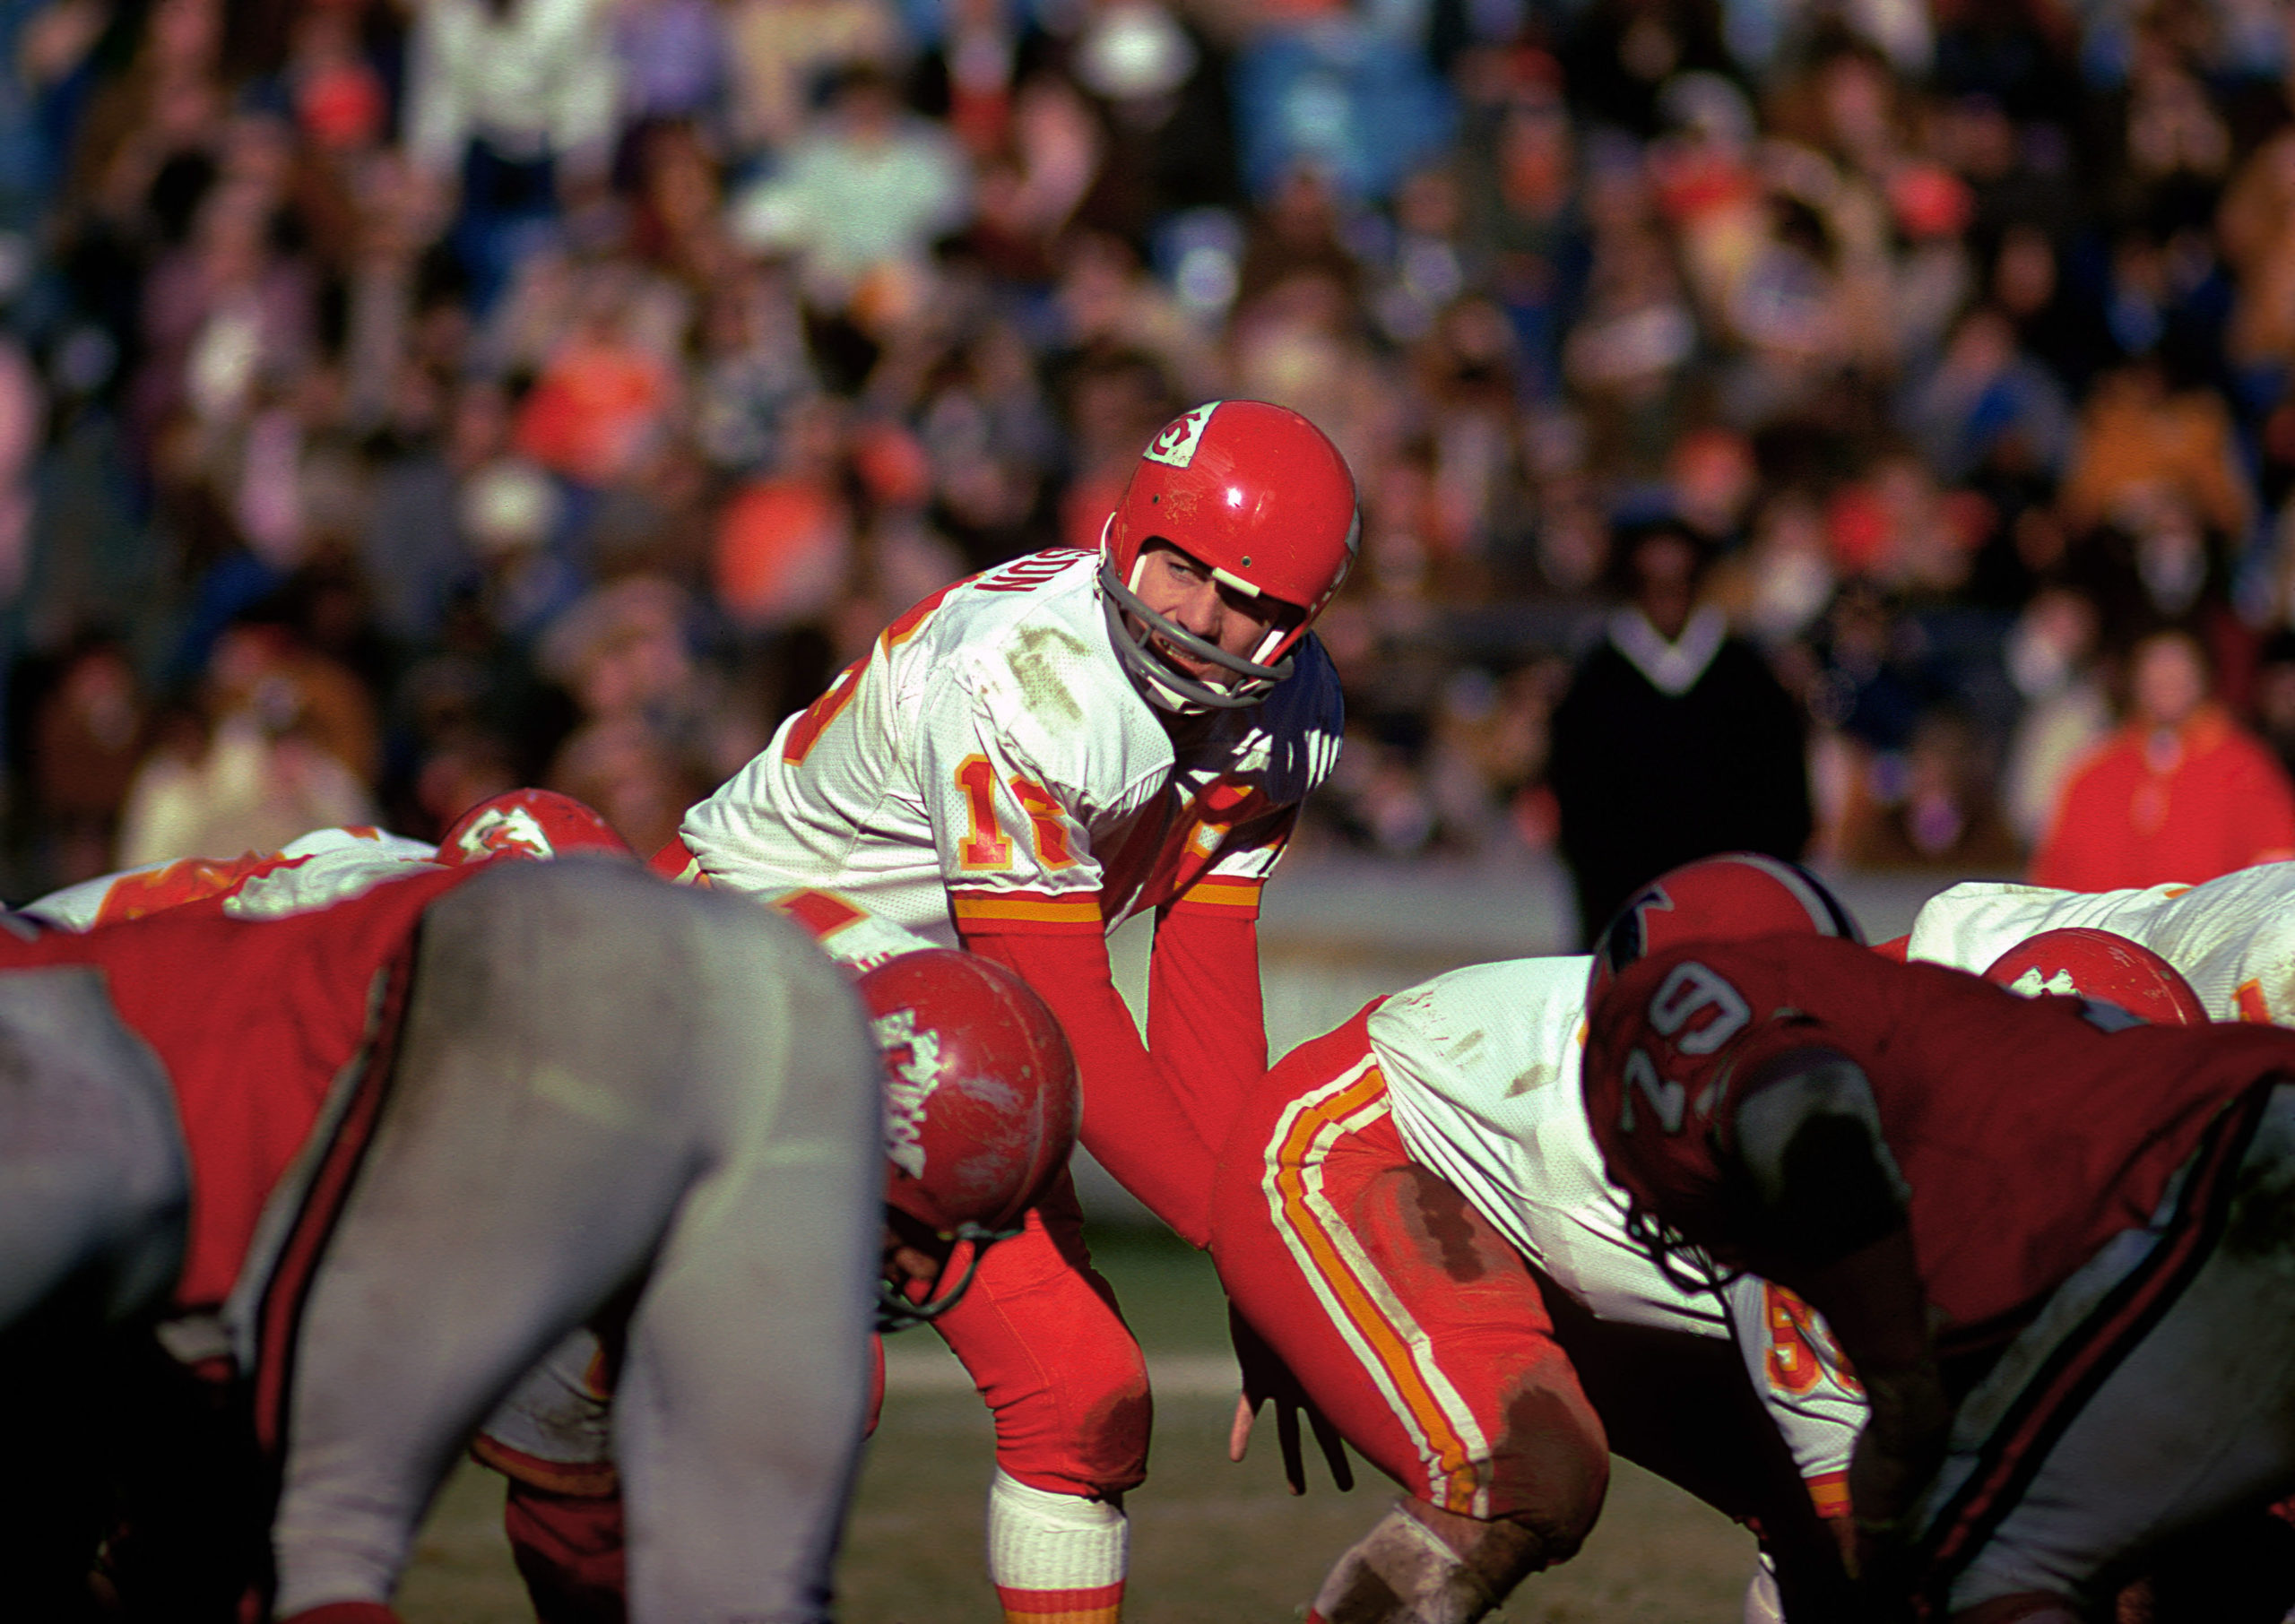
(1019, 763)
(992, 762)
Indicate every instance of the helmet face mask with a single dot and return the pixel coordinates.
(1258, 498)
(1136, 628)
(906, 1237)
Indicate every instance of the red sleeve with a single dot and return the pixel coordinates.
(1135, 1121)
(2266, 806)
(1207, 1030)
(2064, 857)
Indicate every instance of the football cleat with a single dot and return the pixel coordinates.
(1731, 898)
(1260, 496)
(2084, 963)
(981, 1106)
(528, 823)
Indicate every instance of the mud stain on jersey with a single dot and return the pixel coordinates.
(1038, 656)
(1535, 1076)
(1436, 1217)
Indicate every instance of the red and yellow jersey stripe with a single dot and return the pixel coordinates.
(1033, 913)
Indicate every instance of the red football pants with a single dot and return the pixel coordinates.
(1410, 1321)
(1041, 1336)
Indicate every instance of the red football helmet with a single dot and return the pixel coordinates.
(2088, 963)
(1730, 898)
(1260, 495)
(530, 823)
(981, 1102)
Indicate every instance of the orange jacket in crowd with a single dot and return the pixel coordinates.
(2150, 809)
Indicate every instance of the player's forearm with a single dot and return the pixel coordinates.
(1207, 1029)
(1874, 1302)
(1134, 1122)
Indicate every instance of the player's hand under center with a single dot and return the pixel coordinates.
(1265, 1377)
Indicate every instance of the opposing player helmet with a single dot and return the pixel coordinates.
(981, 1104)
(1261, 497)
(530, 823)
(1731, 898)
(2081, 962)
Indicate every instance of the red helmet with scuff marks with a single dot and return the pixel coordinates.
(1261, 497)
(1734, 897)
(528, 823)
(2081, 962)
(981, 1100)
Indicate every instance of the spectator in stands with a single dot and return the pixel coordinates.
(515, 101)
(861, 196)
(1674, 740)
(2181, 794)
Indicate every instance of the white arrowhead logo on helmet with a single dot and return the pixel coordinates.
(913, 1059)
(505, 829)
(1175, 446)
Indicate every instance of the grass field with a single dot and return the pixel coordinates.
(1210, 1541)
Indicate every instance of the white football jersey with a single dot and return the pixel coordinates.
(990, 763)
(325, 866)
(2232, 938)
(1482, 1070)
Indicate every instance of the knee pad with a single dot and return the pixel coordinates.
(1550, 1467)
(1060, 1369)
(1085, 1433)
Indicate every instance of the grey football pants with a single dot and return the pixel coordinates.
(604, 1085)
(92, 1176)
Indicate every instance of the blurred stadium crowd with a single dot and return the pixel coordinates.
(405, 399)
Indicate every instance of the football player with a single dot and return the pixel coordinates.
(1412, 1213)
(1020, 762)
(327, 862)
(2051, 1239)
(2232, 938)
(429, 1128)
(1454, 1106)
(958, 1036)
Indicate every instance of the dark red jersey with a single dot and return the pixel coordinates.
(254, 1002)
(2029, 1131)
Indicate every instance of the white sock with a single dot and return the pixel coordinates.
(1038, 1541)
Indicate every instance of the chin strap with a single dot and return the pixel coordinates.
(896, 1311)
(1167, 686)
